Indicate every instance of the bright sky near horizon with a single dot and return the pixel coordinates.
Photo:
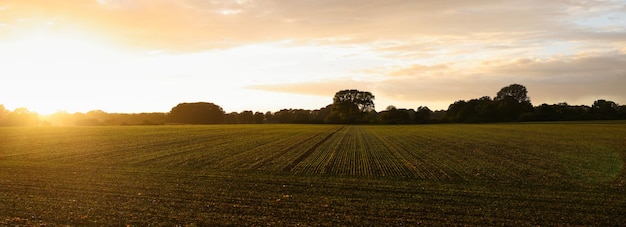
(265, 55)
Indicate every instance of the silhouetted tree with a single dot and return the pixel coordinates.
(604, 110)
(269, 117)
(478, 110)
(320, 115)
(511, 102)
(392, 115)
(299, 116)
(475, 110)
(231, 118)
(574, 113)
(547, 112)
(510, 109)
(285, 116)
(259, 118)
(422, 115)
(302, 116)
(197, 113)
(621, 112)
(246, 117)
(516, 91)
(351, 106)
(454, 110)
(438, 116)
(137, 119)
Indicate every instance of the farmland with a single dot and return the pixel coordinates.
(465, 174)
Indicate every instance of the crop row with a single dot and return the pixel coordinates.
(528, 154)
(525, 153)
(352, 151)
(330, 175)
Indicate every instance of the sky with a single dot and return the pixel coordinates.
(132, 56)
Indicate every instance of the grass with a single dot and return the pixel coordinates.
(483, 174)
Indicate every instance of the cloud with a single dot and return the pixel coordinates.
(417, 69)
(326, 88)
(577, 79)
(568, 77)
(403, 50)
(581, 65)
(192, 24)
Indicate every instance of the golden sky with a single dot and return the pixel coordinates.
(266, 55)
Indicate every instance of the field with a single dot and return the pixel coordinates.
(452, 174)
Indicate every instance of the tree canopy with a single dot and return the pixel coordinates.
(197, 113)
(515, 91)
(351, 106)
(363, 100)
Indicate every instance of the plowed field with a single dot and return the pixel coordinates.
(483, 174)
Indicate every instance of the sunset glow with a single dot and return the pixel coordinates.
(147, 56)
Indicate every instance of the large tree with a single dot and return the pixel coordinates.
(351, 106)
(515, 91)
(511, 102)
(197, 113)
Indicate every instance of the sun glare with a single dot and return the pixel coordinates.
(55, 47)
(44, 68)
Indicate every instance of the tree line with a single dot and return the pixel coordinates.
(511, 104)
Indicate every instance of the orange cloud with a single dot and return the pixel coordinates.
(408, 50)
(192, 25)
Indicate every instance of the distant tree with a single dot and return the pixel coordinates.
(603, 109)
(4, 113)
(573, 113)
(363, 100)
(547, 112)
(302, 116)
(438, 116)
(98, 115)
(318, 116)
(197, 113)
(21, 117)
(285, 116)
(455, 110)
(269, 117)
(231, 118)
(372, 117)
(351, 106)
(515, 91)
(422, 115)
(137, 119)
(506, 108)
(511, 102)
(392, 115)
(475, 110)
(621, 112)
(259, 118)
(510, 109)
(298, 116)
(246, 117)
